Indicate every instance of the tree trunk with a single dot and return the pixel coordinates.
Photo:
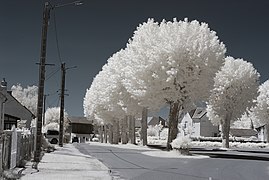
(132, 129)
(124, 124)
(110, 133)
(115, 132)
(101, 133)
(226, 131)
(105, 132)
(144, 126)
(173, 123)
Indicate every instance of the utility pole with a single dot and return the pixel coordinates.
(62, 105)
(46, 16)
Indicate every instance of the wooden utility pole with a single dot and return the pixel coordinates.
(46, 16)
(62, 106)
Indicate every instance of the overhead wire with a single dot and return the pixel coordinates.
(56, 37)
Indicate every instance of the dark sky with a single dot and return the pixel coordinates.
(89, 34)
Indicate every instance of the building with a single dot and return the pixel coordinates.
(197, 124)
(152, 121)
(14, 111)
(80, 127)
(245, 133)
(262, 133)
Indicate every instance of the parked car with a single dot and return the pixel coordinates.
(74, 139)
(52, 136)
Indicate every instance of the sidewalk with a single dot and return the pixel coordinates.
(67, 163)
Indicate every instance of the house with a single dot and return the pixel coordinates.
(80, 127)
(14, 111)
(245, 133)
(262, 133)
(196, 123)
(151, 121)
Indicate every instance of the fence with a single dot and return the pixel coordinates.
(17, 148)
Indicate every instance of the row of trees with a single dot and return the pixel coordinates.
(163, 63)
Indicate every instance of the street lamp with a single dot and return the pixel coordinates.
(46, 15)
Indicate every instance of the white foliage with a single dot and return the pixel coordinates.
(261, 110)
(181, 142)
(52, 126)
(245, 122)
(234, 90)
(107, 99)
(52, 115)
(172, 61)
(26, 96)
(153, 130)
(163, 62)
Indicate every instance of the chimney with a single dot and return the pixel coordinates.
(3, 84)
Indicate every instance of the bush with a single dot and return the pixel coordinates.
(181, 142)
(152, 131)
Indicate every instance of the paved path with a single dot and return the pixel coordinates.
(67, 163)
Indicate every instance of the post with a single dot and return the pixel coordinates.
(62, 106)
(46, 15)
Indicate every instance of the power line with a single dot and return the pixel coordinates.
(52, 74)
(56, 38)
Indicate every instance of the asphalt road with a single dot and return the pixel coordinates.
(131, 164)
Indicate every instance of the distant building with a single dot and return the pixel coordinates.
(151, 121)
(245, 133)
(262, 133)
(196, 123)
(80, 127)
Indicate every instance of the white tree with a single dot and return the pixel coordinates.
(170, 62)
(261, 110)
(244, 122)
(52, 118)
(235, 88)
(26, 96)
(174, 63)
(107, 100)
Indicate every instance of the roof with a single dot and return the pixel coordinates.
(243, 132)
(152, 120)
(79, 120)
(199, 113)
(11, 98)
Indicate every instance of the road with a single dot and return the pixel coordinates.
(132, 164)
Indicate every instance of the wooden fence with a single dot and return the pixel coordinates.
(17, 148)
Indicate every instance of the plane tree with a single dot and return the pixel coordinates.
(172, 63)
(235, 88)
